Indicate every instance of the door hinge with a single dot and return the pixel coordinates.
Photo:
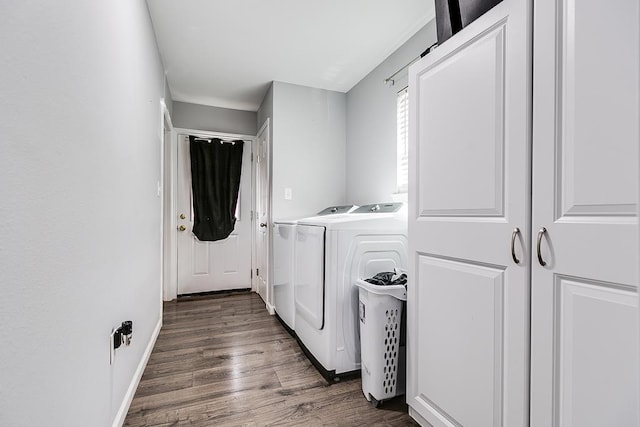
(251, 273)
(257, 272)
(252, 157)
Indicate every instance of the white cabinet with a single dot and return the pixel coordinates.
(496, 147)
(468, 304)
(584, 327)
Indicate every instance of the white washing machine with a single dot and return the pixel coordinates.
(331, 253)
(283, 256)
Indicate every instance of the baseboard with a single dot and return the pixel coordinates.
(131, 391)
(270, 308)
(418, 418)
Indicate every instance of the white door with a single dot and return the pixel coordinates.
(584, 327)
(262, 223)
(468, 299)
(220, 265)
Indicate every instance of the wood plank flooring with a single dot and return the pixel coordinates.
(224, 361)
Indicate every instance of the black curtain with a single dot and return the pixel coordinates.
(215, 181)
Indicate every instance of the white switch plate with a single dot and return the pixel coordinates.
(288, 194)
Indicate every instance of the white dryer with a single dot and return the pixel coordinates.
(283, 256)
(331, 254)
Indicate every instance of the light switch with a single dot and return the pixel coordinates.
(288, 194)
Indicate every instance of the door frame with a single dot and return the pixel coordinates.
(170, 289)
(266, 127)
(165, 191)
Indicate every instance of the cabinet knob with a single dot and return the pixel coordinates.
(541, 233)
(515, 233)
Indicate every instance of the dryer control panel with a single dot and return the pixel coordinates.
(336, 210)
(379, 208)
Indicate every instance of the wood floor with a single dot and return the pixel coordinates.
(224, 361)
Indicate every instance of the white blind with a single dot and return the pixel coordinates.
(403, 140)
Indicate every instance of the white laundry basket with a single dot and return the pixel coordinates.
(382, 358)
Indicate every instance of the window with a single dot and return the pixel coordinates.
(403, 140)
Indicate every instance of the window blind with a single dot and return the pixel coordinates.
(403, 140)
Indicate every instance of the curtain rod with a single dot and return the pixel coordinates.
(222, 140)
(389, 80)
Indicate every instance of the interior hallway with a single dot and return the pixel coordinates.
(224, 361)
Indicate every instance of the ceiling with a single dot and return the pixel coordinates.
(225, 53)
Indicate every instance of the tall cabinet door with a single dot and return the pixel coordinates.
(468, 298)
(584, 364)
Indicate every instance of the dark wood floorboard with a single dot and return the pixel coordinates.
(224, 361)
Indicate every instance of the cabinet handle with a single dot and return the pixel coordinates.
(540, 234)
(515, 233)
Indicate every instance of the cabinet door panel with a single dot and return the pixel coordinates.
(597, 107)
(462, 381)
(466, 132)
(594, 355)
(584, 327)
(468, 303)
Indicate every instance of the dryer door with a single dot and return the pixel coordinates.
(308, 275)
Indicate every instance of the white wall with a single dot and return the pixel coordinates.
(80, 122)
(308, 149)
(215, 119)
(371, 125)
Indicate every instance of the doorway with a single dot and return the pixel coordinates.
(211, 266)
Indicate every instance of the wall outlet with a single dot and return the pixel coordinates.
(288, 194)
